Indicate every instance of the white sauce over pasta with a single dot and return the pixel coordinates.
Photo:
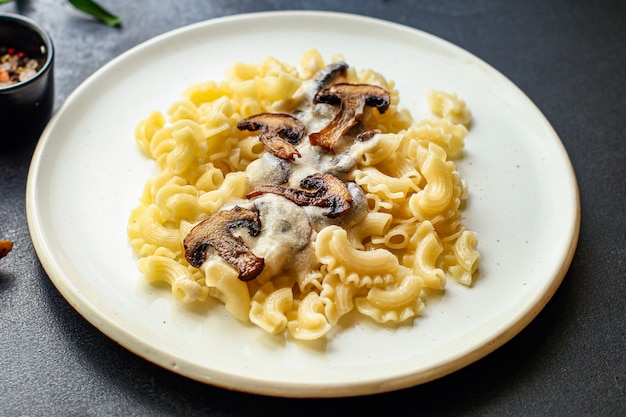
(402, 234)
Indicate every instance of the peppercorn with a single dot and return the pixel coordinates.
(16, 66)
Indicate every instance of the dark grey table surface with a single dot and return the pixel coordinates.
(569, 57)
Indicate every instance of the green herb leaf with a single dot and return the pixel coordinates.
(5, 1)
(95, 10)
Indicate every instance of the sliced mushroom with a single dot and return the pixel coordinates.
(320, 190)
(278, 132)
(352, 99)
(327, 75)
(216, 231)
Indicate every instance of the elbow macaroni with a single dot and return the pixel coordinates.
(410, 239)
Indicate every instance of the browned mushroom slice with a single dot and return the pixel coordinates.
(352, 99)
(326, 75)
(216, 231)
(320, 190)
(278, 132)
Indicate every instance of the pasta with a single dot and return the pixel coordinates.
(326, 220)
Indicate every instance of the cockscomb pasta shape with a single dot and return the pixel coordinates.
(397, 237)
(438, 191)
(387, 187)
(467, 257)
(310, 322)
(207, 92)
(375, 150)
(396, 303)
(310, 63)
(311, 281)
(269, 307)
(449, 106)
(359, 267)
(181, 279)
(338, 297)
(147, 226)
(161, 144)
(402, 167)
(424, 260)
(188, 142)
(224, 283)
(210, 178)
(179, 201)
(376, 204)
(235, 185)
(442, 132)
(146, 129)
(373, 226)
(276, 88)
(269, 66)
(217, 118)
(251, 148)
(183, 109)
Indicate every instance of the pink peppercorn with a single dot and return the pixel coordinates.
(16, 67)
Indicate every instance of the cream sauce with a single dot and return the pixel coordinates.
(287, 230)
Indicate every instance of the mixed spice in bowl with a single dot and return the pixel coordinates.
(26, 79)
(16, 66)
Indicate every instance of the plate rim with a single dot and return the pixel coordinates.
(136, 345)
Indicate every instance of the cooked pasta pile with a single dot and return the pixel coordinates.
(402, 235)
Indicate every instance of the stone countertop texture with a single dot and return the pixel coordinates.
(569, 57)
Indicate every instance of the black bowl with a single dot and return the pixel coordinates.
(26, 107)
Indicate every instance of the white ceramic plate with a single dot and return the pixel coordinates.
(87, 174)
